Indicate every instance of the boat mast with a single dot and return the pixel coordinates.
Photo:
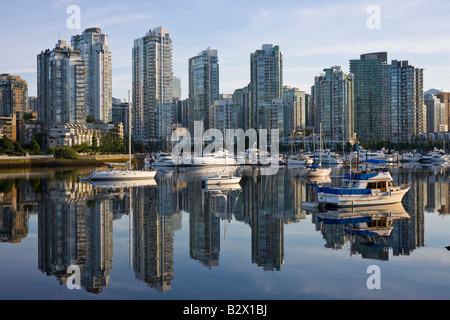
(320, 144)
(129, 125)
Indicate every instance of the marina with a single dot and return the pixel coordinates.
(258, 239)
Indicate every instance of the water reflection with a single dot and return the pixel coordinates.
(75, 220)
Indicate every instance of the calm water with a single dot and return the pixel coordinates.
(171, 240)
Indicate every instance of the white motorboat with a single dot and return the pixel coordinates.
(300, 159)
(317, 171)
(411, 157)
(382, 155)
(162, 160)
(363, 189)
(221, 180)
(220, 158)
(328, 157)
(435, 156)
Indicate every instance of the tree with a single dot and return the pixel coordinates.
(35, 148)
(94, 142)
(6, 145)
(18, 149)
(90, 119)
(65, 153)
(27, 117)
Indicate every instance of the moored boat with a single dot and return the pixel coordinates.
(363, 189)
(221, 180)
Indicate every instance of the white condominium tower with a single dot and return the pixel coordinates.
(152, 87)
(94, 49)
(61, 86)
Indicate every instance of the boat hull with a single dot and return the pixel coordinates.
(318, 173)
(385, 198)
(220, 182)
(121, 176)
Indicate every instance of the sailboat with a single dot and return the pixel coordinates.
(317, 170)
(119, 175)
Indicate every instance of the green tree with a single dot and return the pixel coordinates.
(18, 149)
(90, 119)
(65, 153)
(94, 142)
(6, 145)
(27, 117)
(35, 148)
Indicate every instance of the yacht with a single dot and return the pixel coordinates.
(254, 156)
(377, 155)
(363, 189)
(411, 157)
(328, 157)
(162, 160)
(221, 180)
(300, 159)
(435, 156)
(220, 158)
(317, 171)
(111, 174)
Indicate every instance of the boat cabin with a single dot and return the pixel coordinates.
(377, 181)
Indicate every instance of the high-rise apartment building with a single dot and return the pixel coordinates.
(407, 102)
(372, 96)
(152, 87)
(334, 105)
(176, 90)
(444, 97)
(203, 87)
(94, 49)
(13, 95)
(241, 97)
(61, 86)
(295, 98)
(224, 115)
(436, 119)
(266, 81)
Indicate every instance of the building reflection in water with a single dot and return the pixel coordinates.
(75, 221)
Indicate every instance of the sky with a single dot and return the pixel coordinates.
(312, 35)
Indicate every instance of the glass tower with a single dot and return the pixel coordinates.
(203, 87)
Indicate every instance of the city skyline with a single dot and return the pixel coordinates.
(311, 36)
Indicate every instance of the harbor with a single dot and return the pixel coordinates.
(231, 241)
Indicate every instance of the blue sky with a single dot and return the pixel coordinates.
(312, 35)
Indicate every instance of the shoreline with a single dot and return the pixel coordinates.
(50, 162)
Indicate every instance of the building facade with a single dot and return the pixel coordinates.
(94, 49)
(334, 106)
(225, 115)
(372, 96)
(241, 97)
(436, 117)
(266, 81)
(203, 87)
(296, 99)
(61, 86)
(152, 87)
(13, 95)
(407, 102)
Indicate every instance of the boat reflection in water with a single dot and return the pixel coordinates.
(367, 228)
